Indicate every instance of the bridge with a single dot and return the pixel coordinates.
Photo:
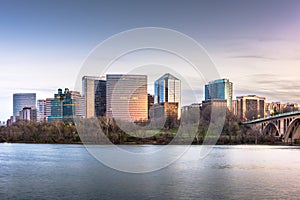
(285, 126)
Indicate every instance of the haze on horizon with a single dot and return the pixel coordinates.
(253, 43)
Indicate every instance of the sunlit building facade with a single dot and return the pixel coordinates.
(167, 111)
(94, 93)
(251, 107)
(127, 97)
(79, 103)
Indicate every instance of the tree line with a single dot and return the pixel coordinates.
(193, 128)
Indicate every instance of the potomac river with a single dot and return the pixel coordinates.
(42, 171)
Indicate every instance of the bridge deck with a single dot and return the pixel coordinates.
(272, 117)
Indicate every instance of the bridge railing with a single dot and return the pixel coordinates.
(272, 117)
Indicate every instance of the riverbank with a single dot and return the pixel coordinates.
(61, 132)
(157, 143)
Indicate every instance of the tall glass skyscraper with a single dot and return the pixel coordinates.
(94, 92)
(220, 89)
(168, 89)
(22, 100)
(127, 97)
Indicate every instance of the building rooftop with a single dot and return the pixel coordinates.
(93, 77)
(125, 76)
(168, 76)
(222, 80)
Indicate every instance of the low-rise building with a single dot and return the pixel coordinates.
(167, 111)
(28, 114)
(251, 107)
(216, 103)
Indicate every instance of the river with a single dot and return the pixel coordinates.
(42, 171)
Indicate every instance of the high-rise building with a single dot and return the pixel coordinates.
(79, 102)
(127, 97)
(41, 110)
(251, 107)
(48, 107)
(168, 89)
(94, 92)
(22, 100)
(220, 89)
(62, 106)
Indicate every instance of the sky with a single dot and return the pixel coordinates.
(255, 43)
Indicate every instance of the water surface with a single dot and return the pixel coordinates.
(41, 171)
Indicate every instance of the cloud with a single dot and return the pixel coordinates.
(251, 57)
(246, 38)
(37, 89)
(272, 86)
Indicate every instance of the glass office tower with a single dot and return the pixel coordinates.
(22, 100)
(62, 106)
(219, 89)
(168, 89)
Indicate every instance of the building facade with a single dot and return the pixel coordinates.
(28, 114)
(62, 106)
(41, 110)
(274, 108)
(216, 103)
(167, 111)
(220, 89)
(168, 89)
(48, 107)
(127, 97)
(22, 100)
(251, 107)
(234, 107)
(79, 102)
(94, 93)
(150, 103)
(192, 107)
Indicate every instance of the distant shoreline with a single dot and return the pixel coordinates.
(155, 144)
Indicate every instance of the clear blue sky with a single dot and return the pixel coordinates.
(255, 43)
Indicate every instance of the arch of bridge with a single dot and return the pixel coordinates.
(271, 129)
(293, 131)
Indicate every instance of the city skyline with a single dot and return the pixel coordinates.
(260, 56)
(167, 89)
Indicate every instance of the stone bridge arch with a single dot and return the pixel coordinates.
(271, 129)
(292, 134)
